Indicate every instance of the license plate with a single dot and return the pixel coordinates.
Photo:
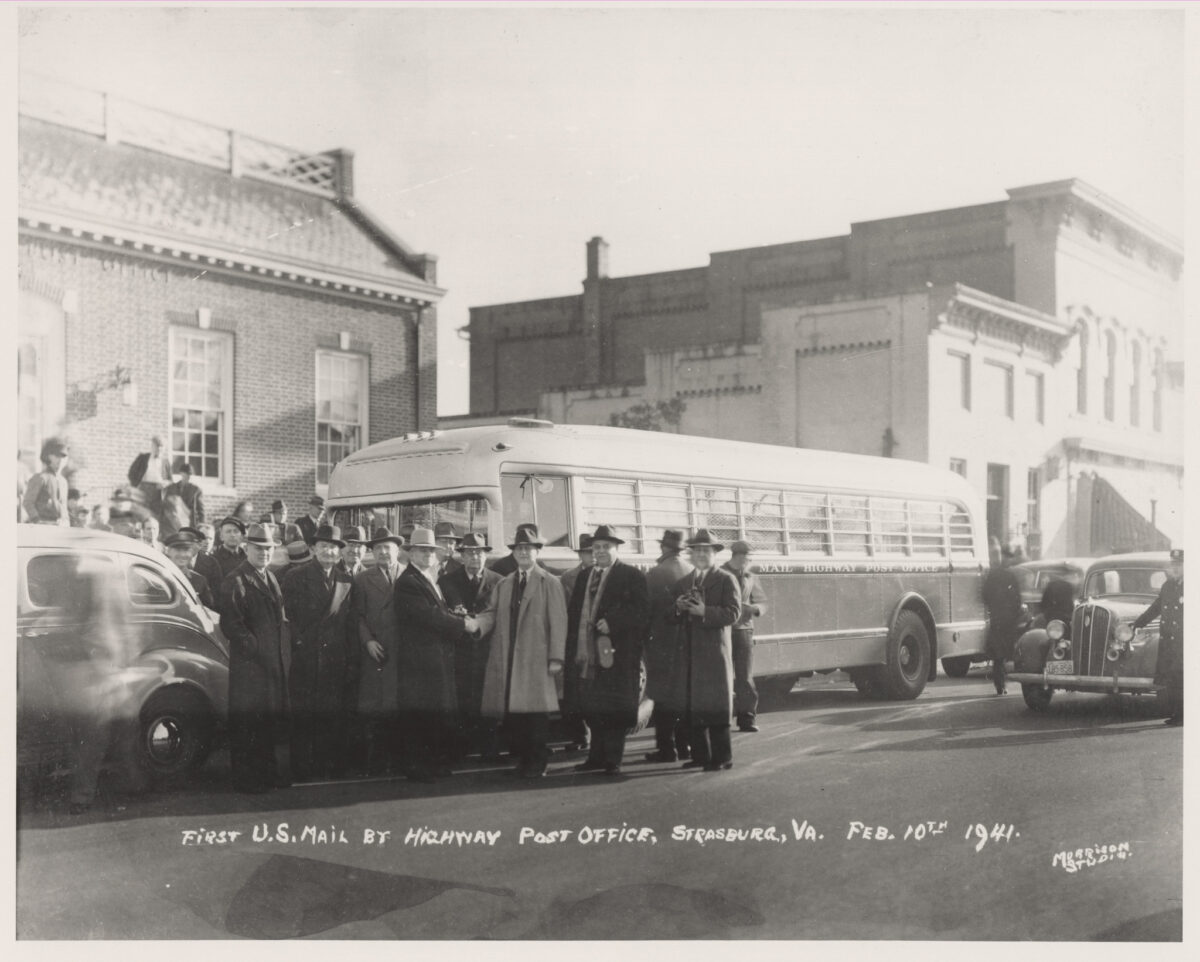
(1060, 668)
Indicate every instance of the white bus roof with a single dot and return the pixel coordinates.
(463, 459)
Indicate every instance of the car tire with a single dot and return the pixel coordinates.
(1037, 697)
(956, 667)
(907, 667)
(175, 732)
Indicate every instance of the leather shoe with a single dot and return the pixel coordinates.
(718, 767)
(660, 757)
(748, 727)
(589, 767)
(612, 770)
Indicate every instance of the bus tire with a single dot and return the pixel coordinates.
(869, 683)
(957, 667)
(1037, 697)
(907, 667)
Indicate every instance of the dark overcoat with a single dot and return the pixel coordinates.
(321, 637)
(252, 621)
(228, 561)
(661, 644)
(702, 675)
(1168, 608)
(1002, 600)
(470, 654)
(425, 654)
(624, 603)
(373, 612)
(203, 591)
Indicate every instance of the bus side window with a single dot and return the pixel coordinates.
(536, 499)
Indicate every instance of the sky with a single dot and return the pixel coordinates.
(501, 138)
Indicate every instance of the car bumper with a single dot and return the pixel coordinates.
(1100, 683)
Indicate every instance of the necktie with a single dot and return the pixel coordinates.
(593, 587)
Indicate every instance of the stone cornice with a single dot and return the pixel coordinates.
(985, 315)
(67, 228)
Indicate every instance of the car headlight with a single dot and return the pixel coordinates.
(1061, 648)
(1115, 650)
(1124, 633)
(1055, 630)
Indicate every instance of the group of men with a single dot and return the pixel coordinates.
(432, 654)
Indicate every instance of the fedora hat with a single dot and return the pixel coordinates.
(671, 540)
(473, 540)
(605, 532)
(237, 523)
(526, 534)
(384, 534)
(261, 535)
(702, 537)
(740, 547)
(445, 529)
(585, 542)
(356, 534)
(299, 552)
(317, 500)
(331, 533)
(422, 538)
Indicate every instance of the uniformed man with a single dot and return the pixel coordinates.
(181, 548)
(1168, 608)
(754, 605)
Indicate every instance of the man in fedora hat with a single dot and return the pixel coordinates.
(469, 587)
(357, 542)
(1168, 607)
(447, 541)
(425, 659)
(573, 722)
(317, 597)
(229, 554)
(252, 619)
(672, 736)
(607, 619)
(508, 564)
(45, 498)
(754, 605)
(528, 618)
(308, 522)
(706, 604)
(373, 614)
(181, 548)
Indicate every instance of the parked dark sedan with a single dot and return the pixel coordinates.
(1099, 651)
(1033, 577)
(111, 638)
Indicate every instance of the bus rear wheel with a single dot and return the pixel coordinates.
(957, 667)
(907, 667)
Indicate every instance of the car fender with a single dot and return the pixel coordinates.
(1030, 651)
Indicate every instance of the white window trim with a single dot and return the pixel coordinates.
(225, 482)
(364, 406)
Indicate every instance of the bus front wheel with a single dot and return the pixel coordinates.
(907, 667)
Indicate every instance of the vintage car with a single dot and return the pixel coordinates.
(1035, 575)
(1099, 651)
(112, 639)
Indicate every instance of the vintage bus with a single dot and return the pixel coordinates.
(871, 565)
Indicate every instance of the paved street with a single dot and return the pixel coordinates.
(856, 821)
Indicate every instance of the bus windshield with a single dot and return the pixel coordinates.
(466, 514)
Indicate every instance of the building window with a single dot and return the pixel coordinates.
(1157, 398)
(30, 393)
(1037, 395)
(959, 466)
(999, 388)
(202, 402)
(1033, 501)
(342, 383)
(961, 367)
(1110, 376)
(1135, 385)
(1081, 381)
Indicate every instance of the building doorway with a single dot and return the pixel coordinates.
(997, 501)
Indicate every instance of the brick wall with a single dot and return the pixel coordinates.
(125, 307)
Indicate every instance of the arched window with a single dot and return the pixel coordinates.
(1081, 379)
(1110, 376)
(1135, 384)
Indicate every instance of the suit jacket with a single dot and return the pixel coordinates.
(308, 528)
(207, 566)
(191, 496)
(527, 686)
(137, 470)
(623, 602)
(450, 566)
(321, 638)
(661, 646)
(702, 679)
(373, 613)
(470, 654)
(428, 634)
(228, 561)
(252, 619)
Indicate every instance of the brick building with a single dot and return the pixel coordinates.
(1031, 344)
(227, 294)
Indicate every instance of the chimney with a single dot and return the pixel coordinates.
(597, 258)
(343, 183)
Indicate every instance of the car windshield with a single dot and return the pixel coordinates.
(1106, 581)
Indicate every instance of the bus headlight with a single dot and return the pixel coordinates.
(1055, 630)
(1124, 633)
(1061, 649)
